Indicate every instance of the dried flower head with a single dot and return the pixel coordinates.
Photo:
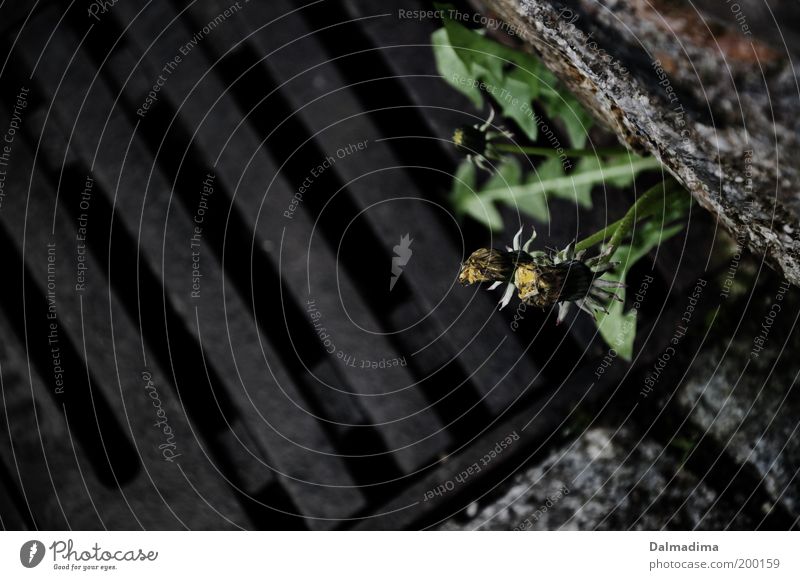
(544, 279)
(486, 265)
(544, 285)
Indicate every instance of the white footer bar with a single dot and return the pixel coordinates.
(400, 555)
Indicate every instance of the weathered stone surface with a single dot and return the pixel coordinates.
(717, 105)
(742, 390)
(605, 480)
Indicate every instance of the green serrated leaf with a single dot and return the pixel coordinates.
(465, 58)
(514, 103)
(619, 171)
(577, 121)
(550, 179)
(485, 213)
(508, 173)
(583, 191)
(452, 68)
(530, 195)
(463, 185)
(466, 201)
(503, 187)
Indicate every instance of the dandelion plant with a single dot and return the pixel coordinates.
(519, 85)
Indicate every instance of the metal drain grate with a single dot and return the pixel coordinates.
(232, 354)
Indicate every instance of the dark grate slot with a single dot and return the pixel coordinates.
(372, 465)
(272, 509)
(554, 347)
(658, 296)
(112, 455)
(460, 407)
(368, 458)
(14, 513)
(104, 35)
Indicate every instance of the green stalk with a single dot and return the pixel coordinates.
(648, 204)
(550, 152)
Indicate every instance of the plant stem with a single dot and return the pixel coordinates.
(634, 214)
(550, 152)
(645, 206)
